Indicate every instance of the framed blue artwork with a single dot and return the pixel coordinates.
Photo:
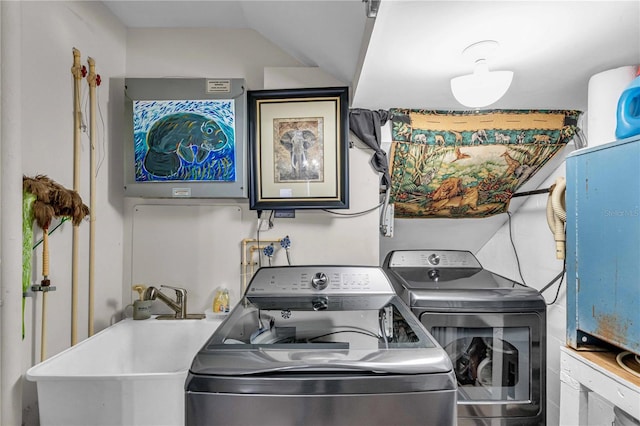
(184, 138)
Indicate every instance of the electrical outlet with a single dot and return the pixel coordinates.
(388, 321)
(387, 225)
(289, 214)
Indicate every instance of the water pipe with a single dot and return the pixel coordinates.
(76, 71)
(244, 263)
(11, 355)
(252, 250)
(92, 79)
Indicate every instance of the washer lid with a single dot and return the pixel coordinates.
(454, 280)
(462, 289)
(357, 334)
(434, 278)
(261, 359)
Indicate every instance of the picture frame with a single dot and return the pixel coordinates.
(298, 148)
(168, 143)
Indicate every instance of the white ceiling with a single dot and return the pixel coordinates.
(326, 34)
(407, 55)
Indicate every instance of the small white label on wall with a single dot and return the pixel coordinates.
(181, 192)
(286, 193)
(218, 86)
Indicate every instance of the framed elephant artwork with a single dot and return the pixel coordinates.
(298, 148)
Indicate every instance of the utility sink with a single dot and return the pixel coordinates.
(131, 373)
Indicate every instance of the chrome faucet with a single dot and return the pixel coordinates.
(179, 306)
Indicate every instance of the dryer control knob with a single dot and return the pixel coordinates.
(434, 259)
(320, 281)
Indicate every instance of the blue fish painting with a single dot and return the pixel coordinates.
(184, 140)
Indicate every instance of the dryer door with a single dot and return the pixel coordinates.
(498, 360)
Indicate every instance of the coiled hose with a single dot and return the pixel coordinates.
(557, 215)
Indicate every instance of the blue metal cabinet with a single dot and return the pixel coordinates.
(603, 245)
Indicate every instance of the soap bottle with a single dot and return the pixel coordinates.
(628, 113)
(225, 300)
(217, 299)
(221, 301)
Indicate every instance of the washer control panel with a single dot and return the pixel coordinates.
(301, 280)
(432, 259)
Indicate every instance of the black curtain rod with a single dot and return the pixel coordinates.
(534, 192)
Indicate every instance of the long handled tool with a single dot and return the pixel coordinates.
(76, 70)
(93, 80)
(45, 283)
(50, 200)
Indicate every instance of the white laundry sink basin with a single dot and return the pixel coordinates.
(131, 373)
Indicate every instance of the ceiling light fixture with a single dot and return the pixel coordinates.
(483, 87)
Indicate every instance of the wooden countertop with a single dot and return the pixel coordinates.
(607, 360)
(582, 372)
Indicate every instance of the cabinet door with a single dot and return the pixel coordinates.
(603, 244)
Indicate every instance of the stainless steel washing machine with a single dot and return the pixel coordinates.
(321, 345)
(492, 328)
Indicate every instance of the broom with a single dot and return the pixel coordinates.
(51, 200)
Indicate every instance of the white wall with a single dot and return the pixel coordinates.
(125, 226)
(207, 254)
(50, 30)
(536, 250)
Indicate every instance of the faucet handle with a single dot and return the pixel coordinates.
(181, 300)
(180, 292)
